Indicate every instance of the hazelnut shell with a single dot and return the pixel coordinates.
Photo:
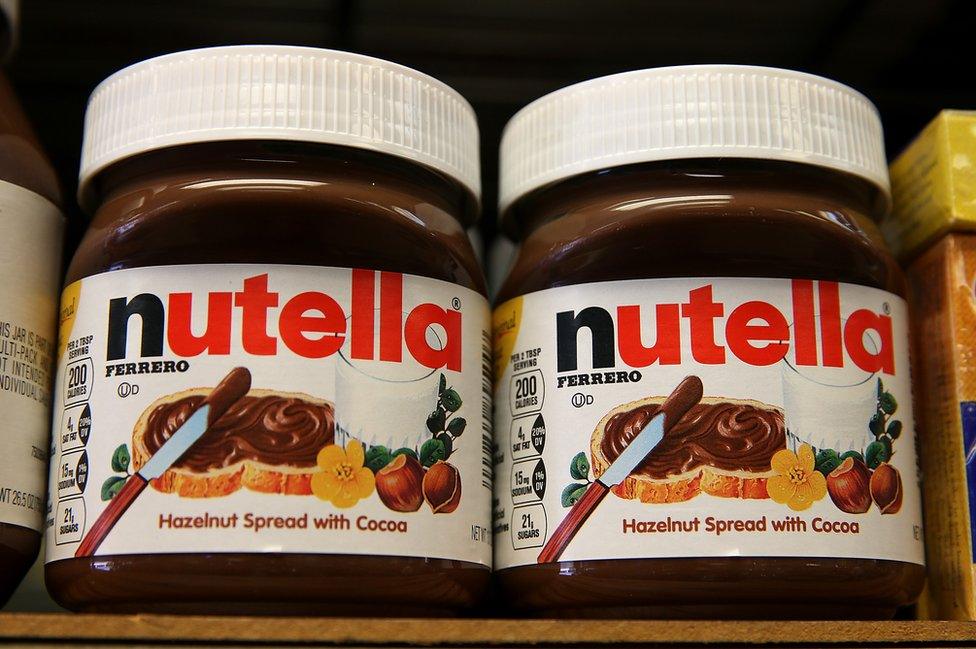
(848, 486)
(400, 484)
(886, 488)
(442, 487)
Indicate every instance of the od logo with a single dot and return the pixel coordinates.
(126, 389)
(579, 400)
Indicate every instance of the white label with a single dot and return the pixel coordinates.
(349, 370)
(798, 376)
(30, 260)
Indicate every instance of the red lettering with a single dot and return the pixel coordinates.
(858, 324)
(255, 301)
(740, 333)
(294, 324)
(701, 312)
(804, 325)
(362, 334)
(391, 317)
(419, 321)
(179, 328)
(833, 353)
(666, 349)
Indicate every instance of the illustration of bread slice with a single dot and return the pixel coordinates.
(268, 442)
(722, 447)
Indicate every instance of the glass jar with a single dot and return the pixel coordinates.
(666, 237)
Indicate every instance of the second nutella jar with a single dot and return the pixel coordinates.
(272, 343)
(703, 406)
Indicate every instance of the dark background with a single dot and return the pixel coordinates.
(910, 58)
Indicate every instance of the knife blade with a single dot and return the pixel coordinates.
(680, 401)
(177, 445)
(635, 452)
(233, 386)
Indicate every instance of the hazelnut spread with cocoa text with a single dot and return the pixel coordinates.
(311, 238)
(711, 226)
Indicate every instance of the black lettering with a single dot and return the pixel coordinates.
(600, 324)
(149, 308)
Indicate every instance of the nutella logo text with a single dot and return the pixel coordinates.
(311, 324)
(755, 332)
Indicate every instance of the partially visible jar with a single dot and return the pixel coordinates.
(30, 265)
(314, 234)
(704, 235)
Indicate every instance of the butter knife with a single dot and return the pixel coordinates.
(680, 401)
(233, 386)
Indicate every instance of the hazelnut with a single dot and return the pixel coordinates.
(848, 486)
(886, 488)
(400, 484)
(442, 487)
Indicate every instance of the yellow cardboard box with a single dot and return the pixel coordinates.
(934, 226)
(933, 184)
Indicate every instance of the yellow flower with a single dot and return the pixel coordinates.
(796, 484)
(343, 478)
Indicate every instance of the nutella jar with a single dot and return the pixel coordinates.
(273, 343)
(30, 264)
(703, 403)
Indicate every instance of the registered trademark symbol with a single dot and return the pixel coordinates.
(886, 308)
(456, 303)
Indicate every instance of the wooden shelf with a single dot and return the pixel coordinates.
(63, 628)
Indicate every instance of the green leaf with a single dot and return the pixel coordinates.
(854, 454)
(894, 429)
(112, 486)
(451, 400)
(579, 468)
(377, 457)
(456, 426)
(435, 421)
(120, 459)
(448, 443)
(827, 461)
(884, 439)
(404, 451)
(442, 385)
(876, 453)
(876, 425)
(888, 403)
(432, 451)
(572, 493)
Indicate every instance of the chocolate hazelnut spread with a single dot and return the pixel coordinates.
(730, 436)
(30, 251)
(667, 226)
(331, 260)
(269, 429)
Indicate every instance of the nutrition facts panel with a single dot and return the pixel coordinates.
(71, 456)
(527, 439)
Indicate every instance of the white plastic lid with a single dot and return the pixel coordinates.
(695, 111)
(270, 92)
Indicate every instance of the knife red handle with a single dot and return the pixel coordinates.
(230, 389)
(110, 515)
(567, 529)
(679, 402)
